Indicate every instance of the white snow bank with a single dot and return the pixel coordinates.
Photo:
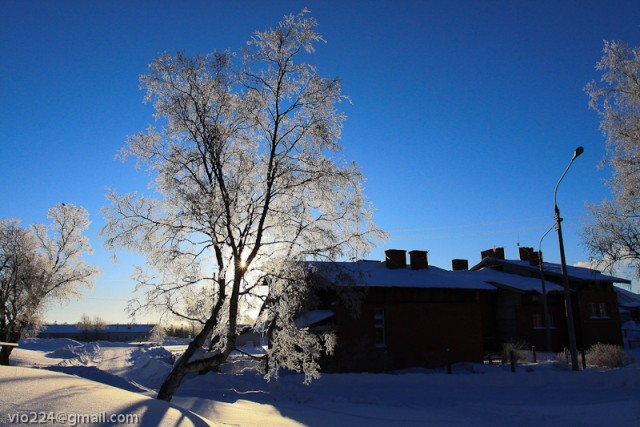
(150, 366)
(46, 392)
(474, 395)
(83, 352)
(537, 394)
(44, 344)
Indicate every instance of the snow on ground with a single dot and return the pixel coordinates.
(65, 400)
(474, 395)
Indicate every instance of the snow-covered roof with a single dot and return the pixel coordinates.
(552, 269)
(511, 281)
(313, 317)
(627, 298)
(377, 274)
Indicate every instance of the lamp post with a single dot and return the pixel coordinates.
(545, 306)
(565, 278)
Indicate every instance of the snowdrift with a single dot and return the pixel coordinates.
(46, 392)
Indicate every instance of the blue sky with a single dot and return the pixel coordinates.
(464, 114)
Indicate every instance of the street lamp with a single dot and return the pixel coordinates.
(565, 278)
(545, 306)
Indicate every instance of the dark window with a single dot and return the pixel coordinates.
(378, 323)
(598, 309)
(538, 321)
(604, 309)
(593, 309)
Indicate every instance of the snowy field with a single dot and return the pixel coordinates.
(64, 376)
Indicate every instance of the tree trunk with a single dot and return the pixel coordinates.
(5, 352)
(180, 368)
(173, 380)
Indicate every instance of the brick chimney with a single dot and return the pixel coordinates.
(494, 253)
(534, 258)
(418, 260)
(459, 264)
(486, 254)
(395, 258)
(525, 253)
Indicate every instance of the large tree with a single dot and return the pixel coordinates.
(613, 236)
(39, 265)
(247, 183)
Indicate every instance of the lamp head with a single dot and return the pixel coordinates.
(578, 151)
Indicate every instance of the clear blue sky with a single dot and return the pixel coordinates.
(464, 113)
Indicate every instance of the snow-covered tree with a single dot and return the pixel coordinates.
(91, 328)
(613, 235)
(247, 182)
(85, 326)
(38, 265)
(158, 333)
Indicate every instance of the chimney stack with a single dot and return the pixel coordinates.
(395, 258)
(494, 253)
(459, 264)
(525, 253)
(486, 254)
(534, 258)
(418, 260)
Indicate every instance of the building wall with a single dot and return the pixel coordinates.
(419, 326)
(531, 327)
(597, 318)
(589, 329)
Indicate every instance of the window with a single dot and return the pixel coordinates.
(598, 310)
(604, 309)
(538, 321)
(378, 324)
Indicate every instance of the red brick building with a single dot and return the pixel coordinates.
(409, 316)
(519, 300)
(418, 315)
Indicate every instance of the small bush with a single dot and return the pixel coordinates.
(563, 359)
(606, 356)
(519, 351)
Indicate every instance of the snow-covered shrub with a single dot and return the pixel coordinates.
(84, 354)
(606, 356)
(519, 349)
(563, 359)
(158, 334)
(66, 352)
(88, 353)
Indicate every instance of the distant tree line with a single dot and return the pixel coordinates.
(91, 329)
